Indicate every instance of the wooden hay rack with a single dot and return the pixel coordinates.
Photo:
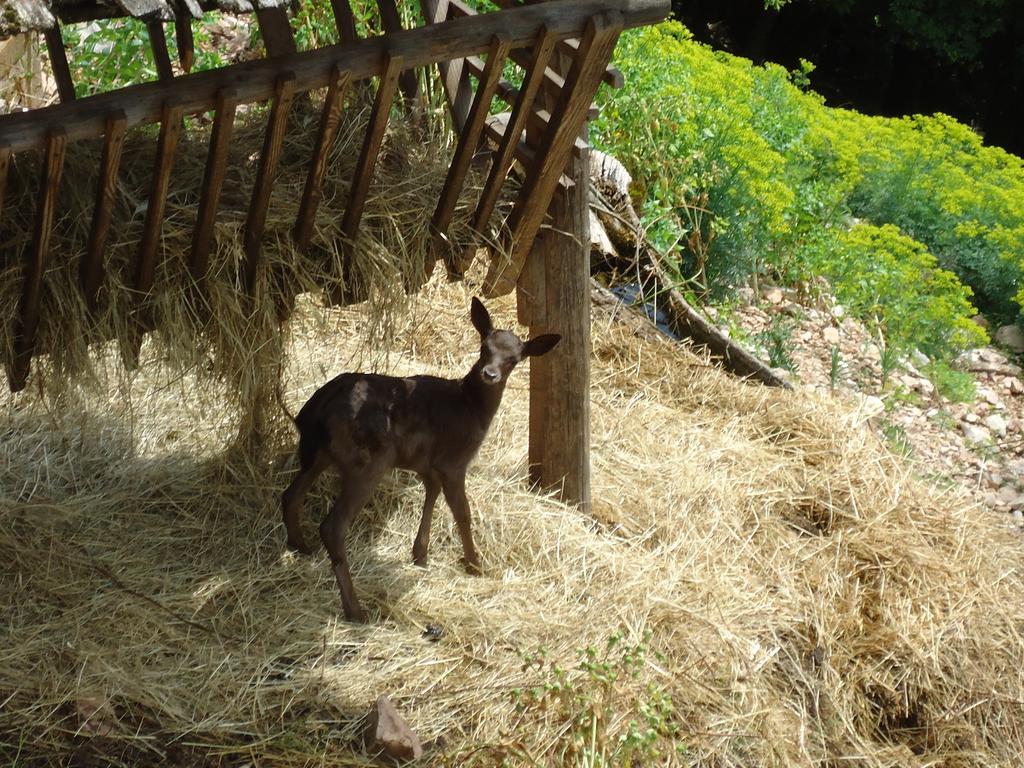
(564, 48)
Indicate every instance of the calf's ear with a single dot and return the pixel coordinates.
(541, 345)
(481, 317)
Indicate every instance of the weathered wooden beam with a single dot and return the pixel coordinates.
(345, 20)
(254, 80)
(145, 268)
(276, 31)
(454, 79)
(469, 139)
(329, 119)
(392, 22)
(502, 163)
(213, 180)
(596, 48)
(570, 46)
(5, 162)
(90, 271)
(497, 126)
(553, 81)
(161, 56)
(366, 163)
(509, 94)
(185, 40)
(27, 322)
(59, 63)
(256, 220)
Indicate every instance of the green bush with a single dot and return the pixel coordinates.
(740, 173)
(895, 284)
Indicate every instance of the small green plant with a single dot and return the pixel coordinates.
(897, 438)
(775, 339)
(608, 718)
(956, 386)
(835, 367)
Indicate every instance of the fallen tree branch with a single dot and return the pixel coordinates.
(614, 212)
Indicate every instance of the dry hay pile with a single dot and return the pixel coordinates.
(215, 329)
(799, 595)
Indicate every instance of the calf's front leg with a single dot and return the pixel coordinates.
(455, 494)
(432, 485)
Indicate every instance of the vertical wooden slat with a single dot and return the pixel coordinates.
(145, 267)
(213, 180)
(272, 139)
(170, 130)
(502, 163)
(185, 40)
(392, 22)
(468, 142)
(90, 271)
(276, 32)
(595, 51)
(5, 161)
(329, 119)
(454, 76)
(345, 20)
(27, 322)
(59, 62)
(161, 57)
(365, 165)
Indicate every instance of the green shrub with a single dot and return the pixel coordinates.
(738, 173)
(896, 285)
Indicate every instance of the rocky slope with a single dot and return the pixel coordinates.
(978, 444)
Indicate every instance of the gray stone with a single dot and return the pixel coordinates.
(981, 321)
(997, 424)
(830, 335)
(919, 358)
(1011, 497)
(974, 433)
(1011, 337)
(389, 734)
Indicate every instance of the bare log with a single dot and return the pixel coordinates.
(610, 201)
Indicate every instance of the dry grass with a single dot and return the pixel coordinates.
(813, 602)
(801, 596)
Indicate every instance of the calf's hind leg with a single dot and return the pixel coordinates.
(293, 498)
(355, 492)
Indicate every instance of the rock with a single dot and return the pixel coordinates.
(972, 418)
(1011, 337)
(389, 734)
(995, 480)
(773, 295)
(974, 433)
(981, 321)
(1015, 385)
(1011, 497)
(830, 335)
(1018, 517)
(996, 424)
(990, 397)
(919, 358)
(872, 406)
(838, 312)
(745, 296)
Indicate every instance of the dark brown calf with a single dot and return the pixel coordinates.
(365, 424)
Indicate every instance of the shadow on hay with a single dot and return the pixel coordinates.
(129, 579)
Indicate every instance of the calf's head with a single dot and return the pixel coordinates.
(500, 350)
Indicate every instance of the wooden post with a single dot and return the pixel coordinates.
(560, 380)
(553, 296)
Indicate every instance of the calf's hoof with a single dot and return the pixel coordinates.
(472, 567)
(356, 615)
(300, 546)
